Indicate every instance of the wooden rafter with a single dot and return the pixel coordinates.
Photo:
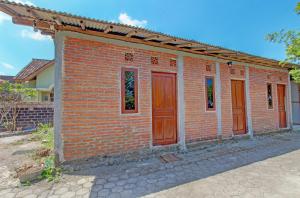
(33, 13)
(57, 20)
(131, 33)
(199, 48)
(108, 29)
(185, 45)
(30, 22)
(152, 37)
(8, 11)
(82, 25)
(168, 41)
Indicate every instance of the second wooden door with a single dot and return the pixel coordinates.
(164, 108)
(281, 105)
(238, 107)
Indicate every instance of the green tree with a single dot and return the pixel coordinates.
(11, 96)
(291, 40)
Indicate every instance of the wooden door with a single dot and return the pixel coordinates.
(281, 106)
(238, 107)
(164, 108)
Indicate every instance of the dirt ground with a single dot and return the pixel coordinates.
(16, 152)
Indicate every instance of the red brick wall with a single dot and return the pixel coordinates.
(199, 123)
(264, 119)
(92, 123)
(92, 119)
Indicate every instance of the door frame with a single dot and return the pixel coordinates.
(285, 106)
(245, 105)
(176, 110)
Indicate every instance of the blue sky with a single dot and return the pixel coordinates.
(235, 24)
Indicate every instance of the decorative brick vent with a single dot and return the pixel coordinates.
(208, 68)
(268, 76)
(173, 62)
(280, 78)
(232, 71)
(129, 57)
(154, 60)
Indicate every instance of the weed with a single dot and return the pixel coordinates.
(45, 134)
(50, 172)
(27, 183)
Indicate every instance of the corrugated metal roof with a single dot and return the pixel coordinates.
(53, 17)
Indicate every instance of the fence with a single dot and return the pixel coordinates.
(33, 113)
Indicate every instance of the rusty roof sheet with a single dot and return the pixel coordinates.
(54, 18)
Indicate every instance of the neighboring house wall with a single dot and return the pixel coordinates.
(296, 102)
(45, 84)
(45, 79)
(91, 121)
(38, 74)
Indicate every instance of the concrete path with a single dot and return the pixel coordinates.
(267, 166)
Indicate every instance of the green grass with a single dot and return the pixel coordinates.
(45, 134)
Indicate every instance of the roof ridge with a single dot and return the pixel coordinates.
(41, 59)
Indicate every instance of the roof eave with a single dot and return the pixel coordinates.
(49, 22)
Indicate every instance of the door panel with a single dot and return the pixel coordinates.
(238, 107)
(164, 108)
(281, 106)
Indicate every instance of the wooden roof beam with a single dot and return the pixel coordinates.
(33, 13)
(82, 25)
(57, 20)
(131, 33)
(168, 41)
(8, 11)
(184, 45)
(152, 37)
(108, 29)
(199, 48)
(30, 22)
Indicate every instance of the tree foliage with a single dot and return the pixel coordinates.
(291, 40)
(11, 96)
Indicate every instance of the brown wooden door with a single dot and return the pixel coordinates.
(238, 107)
(281, 105)
(164, 111)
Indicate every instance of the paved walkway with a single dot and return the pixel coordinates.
(268, 166)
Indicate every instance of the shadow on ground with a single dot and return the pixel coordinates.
(137, 179)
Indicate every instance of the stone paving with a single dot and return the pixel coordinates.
(266, 166)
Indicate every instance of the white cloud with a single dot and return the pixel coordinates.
(125, 19)
(2, 73)
(4, 17)
(7, 66)
(34, 35)
(23, 2)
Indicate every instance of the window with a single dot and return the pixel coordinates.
(210, 93)
(44, 96)
(270, 97)
(129, 90)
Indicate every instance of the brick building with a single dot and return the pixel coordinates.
(120, 88)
